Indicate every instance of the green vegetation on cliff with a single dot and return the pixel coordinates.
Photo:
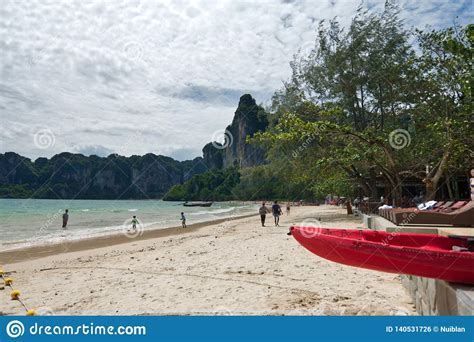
(214, 185)
(247, 184)
(69, 176)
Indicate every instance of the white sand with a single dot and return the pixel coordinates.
(236, 267)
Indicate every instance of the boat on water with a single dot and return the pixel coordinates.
(197, 204)
(450, 258)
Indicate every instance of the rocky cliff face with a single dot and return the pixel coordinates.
(68, 175)
(249, 118)
(213, 155)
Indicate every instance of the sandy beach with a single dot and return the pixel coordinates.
(229, 267)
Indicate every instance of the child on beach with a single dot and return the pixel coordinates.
(276, 209)
(134, 223)
(183, 220)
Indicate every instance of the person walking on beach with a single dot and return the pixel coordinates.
(134, 223)
(263, 213)
(183, 220)
(276, 209)
(288, 207)
(65, 218)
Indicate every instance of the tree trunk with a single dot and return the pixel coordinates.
(395, 187)
(373, 185)
(352, 172)
(397, 195)
(456, 188)
(450, 189)
(432, 178)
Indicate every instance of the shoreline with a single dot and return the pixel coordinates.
(225, 267)
(26, 253)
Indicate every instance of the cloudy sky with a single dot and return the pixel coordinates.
(132, 77)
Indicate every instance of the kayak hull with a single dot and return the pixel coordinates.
(424, 255)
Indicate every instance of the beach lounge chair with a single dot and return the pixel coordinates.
(439, 204)
(438, 207)
(463, 216)
(455, 206)
(385, 213)
(446, 205)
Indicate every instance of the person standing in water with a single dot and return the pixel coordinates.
(134, 223)
(276, 209)
(183, 220)
(65, 218)
(263, 213)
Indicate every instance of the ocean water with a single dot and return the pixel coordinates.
(25, 222)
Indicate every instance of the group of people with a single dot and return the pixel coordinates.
(275, 210)
(263, 211)
(134, 221)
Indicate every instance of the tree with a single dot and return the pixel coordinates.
(445, 102)
(363, 104)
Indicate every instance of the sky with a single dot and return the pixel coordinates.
(164, 77)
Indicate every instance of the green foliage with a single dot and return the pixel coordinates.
(213, 185)
(68, 175)
(334, 184)
(176, 193)
(335, 120)
(445, 95)
(252, 183)
(15, 191)
(264, 182)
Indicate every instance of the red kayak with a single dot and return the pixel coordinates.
(426, 255)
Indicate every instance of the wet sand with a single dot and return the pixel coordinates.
(225, 267)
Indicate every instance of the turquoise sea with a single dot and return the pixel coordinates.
(25, 222)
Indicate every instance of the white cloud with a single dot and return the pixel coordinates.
(88, 150)
(133, 77)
